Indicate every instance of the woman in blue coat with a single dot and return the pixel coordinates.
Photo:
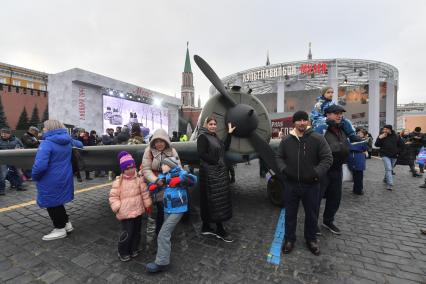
(52, 170)
(356, 162)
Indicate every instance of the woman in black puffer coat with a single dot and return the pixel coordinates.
(215, 196)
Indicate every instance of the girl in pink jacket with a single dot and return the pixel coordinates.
(129, 199)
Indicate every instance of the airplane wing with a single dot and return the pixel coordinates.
(105, 157)
(100, 157)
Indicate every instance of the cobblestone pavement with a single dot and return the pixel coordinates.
(380, 241)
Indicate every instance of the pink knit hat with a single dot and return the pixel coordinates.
(126, 160)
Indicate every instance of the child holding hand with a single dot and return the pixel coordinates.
(129, 199)
(175, 201)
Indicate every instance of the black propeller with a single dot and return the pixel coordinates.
(243, 116)
(211, 75)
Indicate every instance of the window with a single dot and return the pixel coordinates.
(16, 83)
(42, 87)
(30, 85)
(2, 80)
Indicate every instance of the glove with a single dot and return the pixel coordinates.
(174, 181)
(152, 187)
(148, 211)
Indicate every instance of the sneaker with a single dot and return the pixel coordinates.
(224, 236)
(332, 228)
(123, 258)
(423, 231)
(416, 175)
(55, 234)
(422, 186)
(79, 180)
(208, 231)
(68, 227)
(389, 187)
(393, 173)
(152, 267)
(21, 188)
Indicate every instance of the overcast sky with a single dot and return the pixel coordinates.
(144, 42)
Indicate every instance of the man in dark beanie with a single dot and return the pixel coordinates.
(390, 144)
(303, 157)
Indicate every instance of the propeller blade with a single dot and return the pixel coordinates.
(214, 79)
(265, 152)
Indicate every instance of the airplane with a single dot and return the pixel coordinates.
(251, 138)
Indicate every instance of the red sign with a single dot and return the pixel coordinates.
(142, 92)
(286, 123)
(316, 68)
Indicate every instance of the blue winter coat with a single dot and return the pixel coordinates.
(176, 198)
(356, 160)
(52, 169)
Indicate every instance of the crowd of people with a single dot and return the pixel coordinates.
(310, 159)
(311, 162)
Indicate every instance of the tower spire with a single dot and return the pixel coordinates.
(187, 88)
(310, 53)
(187, 68)
(267, 58)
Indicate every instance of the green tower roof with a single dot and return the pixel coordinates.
(187, 61)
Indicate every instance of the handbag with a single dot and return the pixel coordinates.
(347, 174)
(76, 160)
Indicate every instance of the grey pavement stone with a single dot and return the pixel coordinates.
(380, 241)
(115, 278)
(21, 279)
(85, 259)
(51, 276)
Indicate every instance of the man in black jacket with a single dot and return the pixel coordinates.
(303, 156)
(331, 183)
(390, 144)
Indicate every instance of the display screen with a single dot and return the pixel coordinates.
(120, 112)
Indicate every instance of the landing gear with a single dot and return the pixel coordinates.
(274, 190)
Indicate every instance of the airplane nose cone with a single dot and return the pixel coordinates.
(244, 117)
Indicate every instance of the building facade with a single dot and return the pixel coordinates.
(367, 89)
(95, 102)
(23, 92)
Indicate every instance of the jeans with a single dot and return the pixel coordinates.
(309, 195)
(163, 239)
(358, 181)
(13, 177)
(331, 189)
(389, 163)
(130, 236)
(58, 215)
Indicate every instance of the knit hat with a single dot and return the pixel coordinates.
(171, 162)
(388, 126)
(126, 160)
(324, 90)
(299, 115)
